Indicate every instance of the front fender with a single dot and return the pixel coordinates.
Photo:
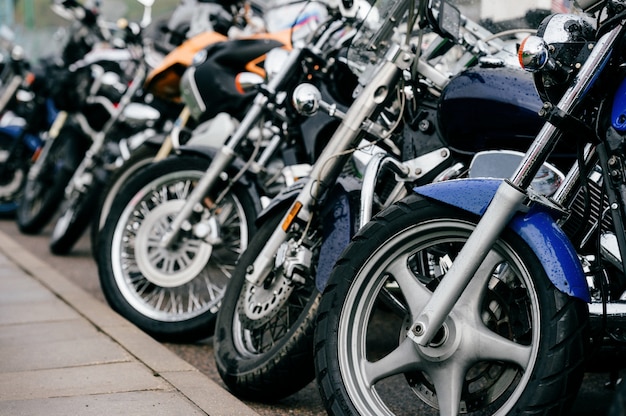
(281, 201)
(15, 132)
(536, 227)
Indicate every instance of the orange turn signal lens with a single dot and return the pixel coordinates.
(293, 213)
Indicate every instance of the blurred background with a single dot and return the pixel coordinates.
(38, 29)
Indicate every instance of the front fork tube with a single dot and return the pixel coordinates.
(173, 139)
(327, 167)
(506, 202)
(10, 91)
(53, 133)
(79, 181)
(227, 153)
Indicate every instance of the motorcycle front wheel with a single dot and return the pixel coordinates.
(263, 338)
(44, 191)
(513, 343)
(76, 212)
(172, 293)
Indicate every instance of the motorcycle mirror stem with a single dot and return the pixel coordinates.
(146, 19)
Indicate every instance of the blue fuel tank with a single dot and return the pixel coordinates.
(493, 108)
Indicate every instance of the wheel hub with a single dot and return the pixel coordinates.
(173, 266)
(488, 380)
(444, 344)
(260, 304)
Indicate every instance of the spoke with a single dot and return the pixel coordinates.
(487, 344)
(473, 294)
(402, 359)
(448, 381)
(194, 301)
(491, 346)
(414, 292)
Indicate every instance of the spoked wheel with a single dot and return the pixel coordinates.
(512, 343)
(173, 293)
(263, 339)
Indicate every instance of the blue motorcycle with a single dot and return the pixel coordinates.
(489, 295)
(26, 112)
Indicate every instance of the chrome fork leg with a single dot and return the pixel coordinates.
(506, 202)
(327, 166)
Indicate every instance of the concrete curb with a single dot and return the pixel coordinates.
(184, 378)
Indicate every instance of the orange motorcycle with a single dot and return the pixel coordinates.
(243, 56)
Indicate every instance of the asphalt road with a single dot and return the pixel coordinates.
(79, 266)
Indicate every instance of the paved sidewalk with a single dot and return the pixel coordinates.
(62, 352)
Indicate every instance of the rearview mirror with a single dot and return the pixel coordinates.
(449, 20)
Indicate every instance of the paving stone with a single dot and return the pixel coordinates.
(16, 335)
(144, 403)
(16, 287)
(208, 395)
(78, 381)
(46, 311)
(46, 354)
(154, 355)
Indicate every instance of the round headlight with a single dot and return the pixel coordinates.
(199, 57)
(570, 39)
(275, 61)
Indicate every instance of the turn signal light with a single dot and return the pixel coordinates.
(533, 54)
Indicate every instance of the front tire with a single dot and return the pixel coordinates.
(14, 167)
(172, 293)
(513, 344)
(43, 194)
(76, 213)
(265, 354)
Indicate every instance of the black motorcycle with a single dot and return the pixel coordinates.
(70, 84)
(413, 114)
(176, 229)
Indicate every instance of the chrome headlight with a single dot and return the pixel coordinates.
(138, 114)
(190, 94)
(562, 45)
